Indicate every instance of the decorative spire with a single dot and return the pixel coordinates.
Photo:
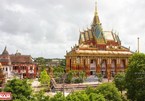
(17, 53)
(96, 9)
(5, 52)
(96, 20)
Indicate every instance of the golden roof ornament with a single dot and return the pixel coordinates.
(96, 17)
(96, 9)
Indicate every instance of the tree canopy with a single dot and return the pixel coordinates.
(20, 90)
(44, 78)
(109, 91)
(119, 81)
(41, 62)
(40, 96)
(135, 77)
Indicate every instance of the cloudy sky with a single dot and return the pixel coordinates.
(48, 28)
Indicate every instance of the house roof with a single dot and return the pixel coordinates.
(21, 59)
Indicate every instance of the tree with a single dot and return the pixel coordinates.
(58, 97)
(82, 75)
(135, 77)
(78, 96)
(119, 81)
(20, 90)
(39, 97)
(69, 77)
(96, 97)
(58, 71)
(44, 78)
(41, 63)
(109, 91)
(89, 90)
(63, 63)
(100, 77)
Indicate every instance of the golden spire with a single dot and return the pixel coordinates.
(96, 9)
(96, 17)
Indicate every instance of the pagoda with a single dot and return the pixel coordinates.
(98, 51)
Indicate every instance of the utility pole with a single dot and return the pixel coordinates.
(138, 45)
(64, 76)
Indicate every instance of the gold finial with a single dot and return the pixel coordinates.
(96, 9)
(96, 19)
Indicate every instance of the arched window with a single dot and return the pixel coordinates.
(104, 64)
(104, 67)
(122, 64)
(113, 64)
(113, 67)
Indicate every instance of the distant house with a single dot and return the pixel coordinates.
(18, 65)
(6, 63)
(54, 62)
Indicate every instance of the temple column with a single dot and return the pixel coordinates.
(19, 69)
(73, 64)
(118, 66)
(81, 64)
(126, 64)
(84, 64)
(109, 69)
(88, 66)
(98, 69)
(68, 64)
(27, 74)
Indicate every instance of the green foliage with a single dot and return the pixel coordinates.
(119, 81)
(39, 97)
(78, 80)
(0, 89)
(109, 91)
(69, 77)
(63, 63)
(41, 63)
(20, 90)
(100, 77)
(135, 77)
(58, 97)
(78, 96)
(89, 90)
(96, 97)
(82, 75)
(44, 78)
(58, 71)
(75, 76)
(104, 92)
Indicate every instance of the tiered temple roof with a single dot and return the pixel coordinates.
(95, 40)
